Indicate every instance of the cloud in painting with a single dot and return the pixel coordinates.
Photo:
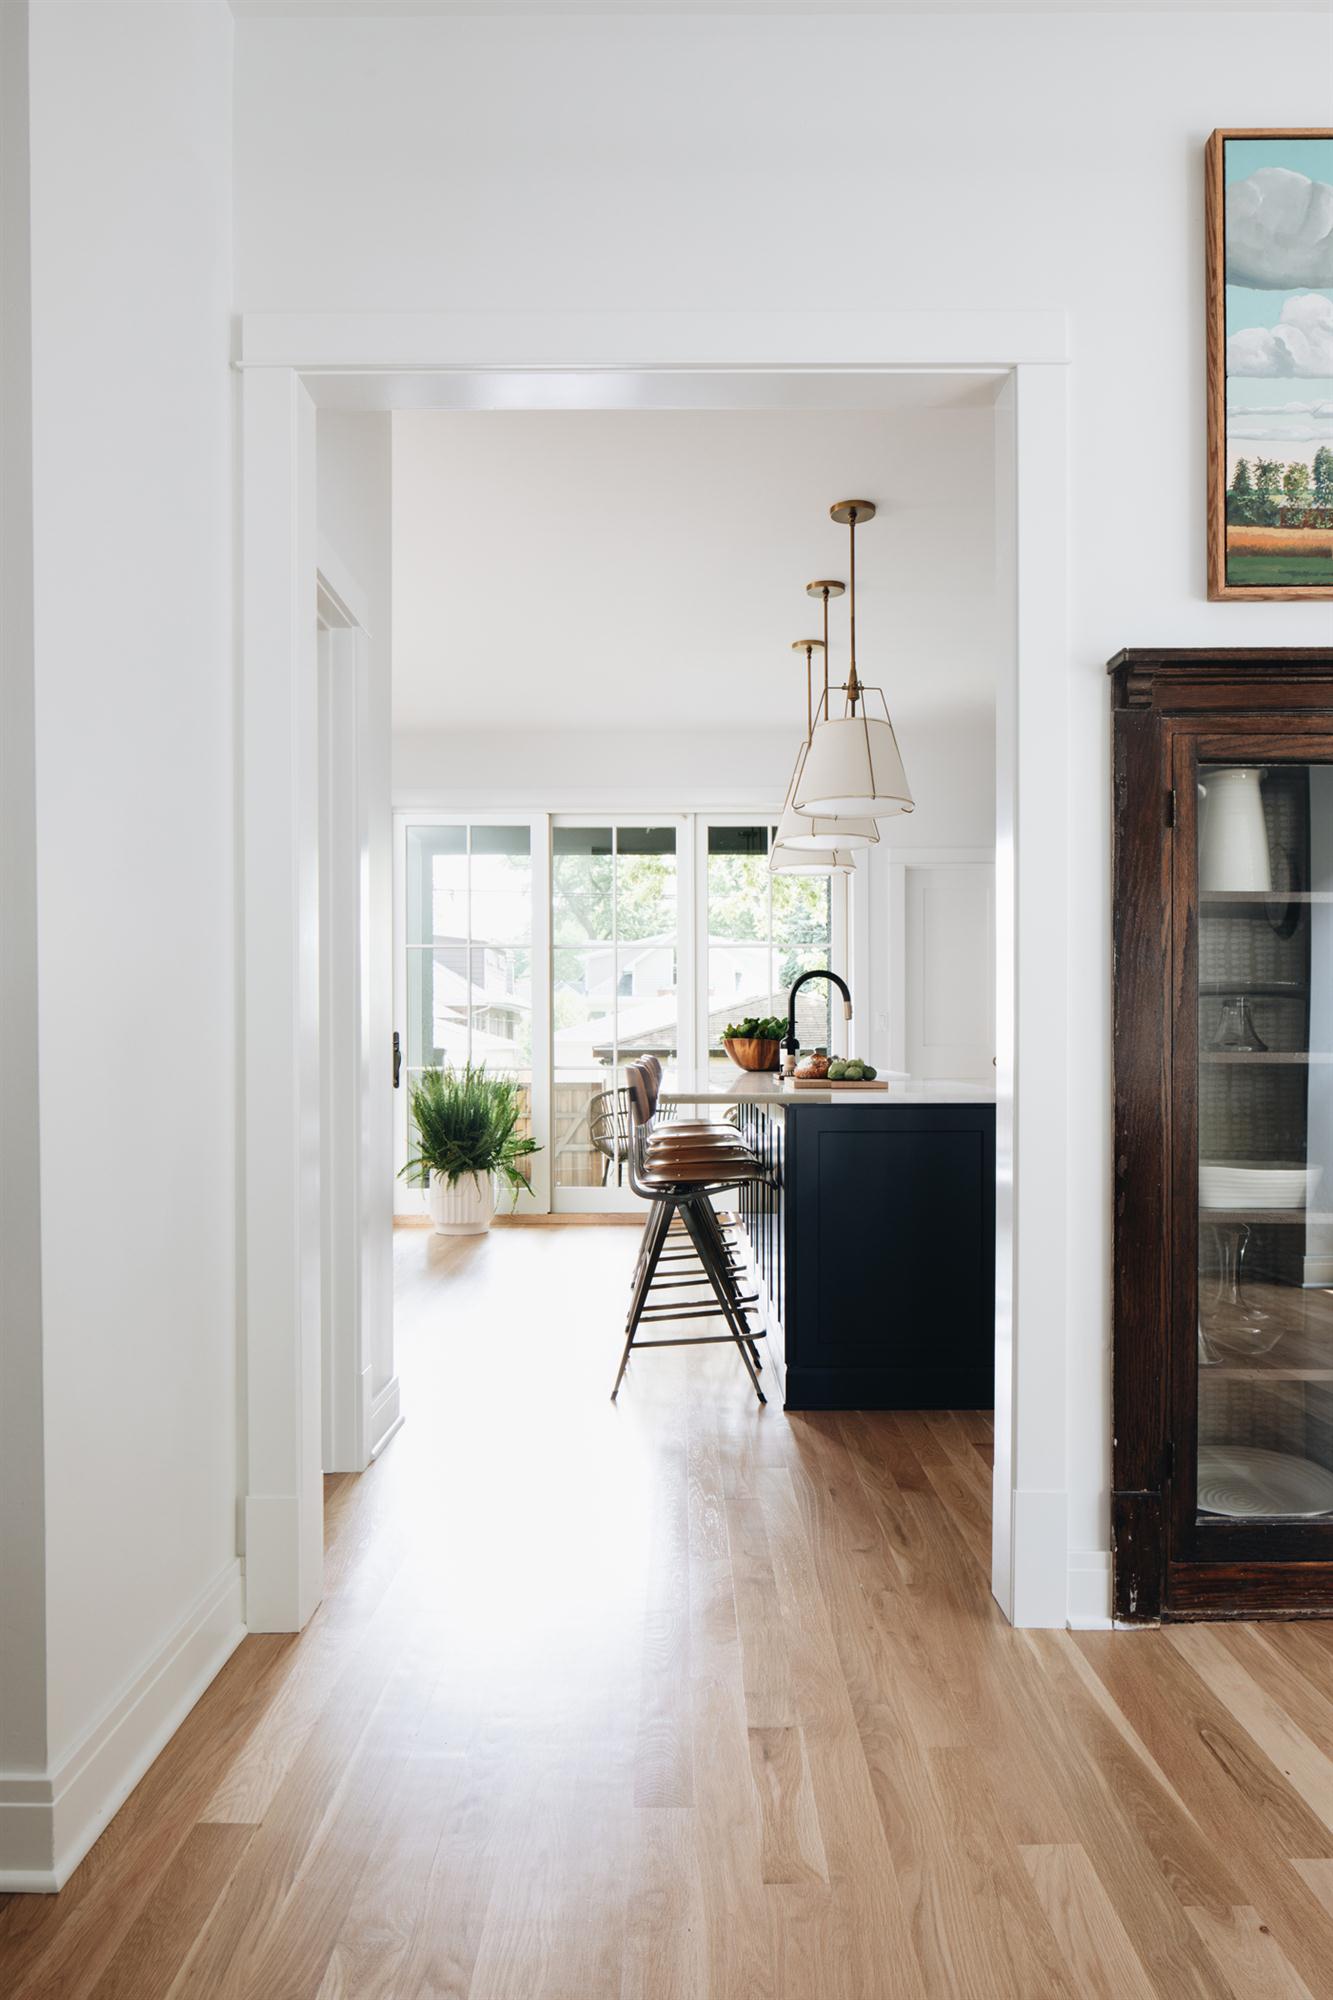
(1280, 409)
(1300, 344)
(1279, 231)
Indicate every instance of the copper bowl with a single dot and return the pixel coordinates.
(749, 1052)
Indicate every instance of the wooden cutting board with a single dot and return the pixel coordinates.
(822, 1083)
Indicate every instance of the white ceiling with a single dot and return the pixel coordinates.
(579, 571)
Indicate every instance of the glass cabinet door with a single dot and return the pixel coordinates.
(1263, 859)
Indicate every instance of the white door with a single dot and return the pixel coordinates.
(949, 970)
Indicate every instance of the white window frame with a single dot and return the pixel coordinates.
(409, 1200)
(613, 1199)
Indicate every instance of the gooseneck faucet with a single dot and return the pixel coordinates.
(791, 1044)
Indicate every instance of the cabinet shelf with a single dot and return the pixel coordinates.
(1260, 898)
(1273, 1058)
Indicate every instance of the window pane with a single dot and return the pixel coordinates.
(584, 1002)
(437, 1005)
(801, 912)
(738, 984)
(501, 1002)
(436, 884)
(646, 882)
(646, 1001)
(501, 885)
(738, 883)
(581, 873)
(814, 1003)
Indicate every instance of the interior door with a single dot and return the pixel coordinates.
(1252, 1163)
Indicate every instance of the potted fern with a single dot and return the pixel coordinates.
(467, 1136)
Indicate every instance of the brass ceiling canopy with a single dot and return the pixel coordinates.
(799, 645)
(825, 587)
(851, 514)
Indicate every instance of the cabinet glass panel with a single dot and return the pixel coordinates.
(1265, 1033)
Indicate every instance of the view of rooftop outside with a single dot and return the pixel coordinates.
(764, 931)
(614, 939)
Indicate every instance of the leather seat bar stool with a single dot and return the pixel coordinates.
(678, 1180)
(723, 1138)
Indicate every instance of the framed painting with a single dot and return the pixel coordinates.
(1270, 364)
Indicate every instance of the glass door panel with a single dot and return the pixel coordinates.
(469, 928)
(1265, 1135)
(614, 929)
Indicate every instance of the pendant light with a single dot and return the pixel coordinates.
(802, 830)
(808, 861)
(853, 764)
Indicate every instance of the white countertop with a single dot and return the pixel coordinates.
(764, 1088)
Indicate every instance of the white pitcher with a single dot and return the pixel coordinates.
(1233, 839)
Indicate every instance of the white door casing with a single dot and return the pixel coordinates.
(594, 360)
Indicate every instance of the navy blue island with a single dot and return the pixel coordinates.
(873, 1244)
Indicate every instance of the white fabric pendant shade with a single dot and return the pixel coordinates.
(801, 830)
(806, 861)
(852, 765)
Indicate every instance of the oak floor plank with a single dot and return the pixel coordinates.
(1249, 1956)
(1102, 1962)
(156, 1946)
(1302, 1763)
(790, 1846)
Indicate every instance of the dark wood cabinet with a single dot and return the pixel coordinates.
(1222, 1463)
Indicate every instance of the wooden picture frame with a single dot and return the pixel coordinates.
(1277, 554)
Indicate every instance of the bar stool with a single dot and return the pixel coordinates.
(677, 1174)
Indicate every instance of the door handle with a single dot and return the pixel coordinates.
(397, 1058)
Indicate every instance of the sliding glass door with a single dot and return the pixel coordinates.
(556, 948)
(616, 920)
(473, 910)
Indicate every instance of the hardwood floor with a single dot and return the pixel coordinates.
(689, 1700)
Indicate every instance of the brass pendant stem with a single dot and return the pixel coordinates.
(852, 689)
(809, 696)
(825, 593)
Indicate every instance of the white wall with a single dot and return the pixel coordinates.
(872, 162)
(353, 460)
(136, 920)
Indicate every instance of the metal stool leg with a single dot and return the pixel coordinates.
(654, 1236)
(735, 1318)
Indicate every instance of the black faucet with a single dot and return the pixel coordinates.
(791, 1044)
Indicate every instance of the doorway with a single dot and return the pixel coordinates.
(366, 363)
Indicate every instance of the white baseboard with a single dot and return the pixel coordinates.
(1041, 1558)
(1090, 1590)
(386, 1417)
(49, 1820)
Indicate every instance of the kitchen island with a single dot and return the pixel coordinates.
(873, 1249)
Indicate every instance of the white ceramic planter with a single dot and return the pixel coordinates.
(465, 1209)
